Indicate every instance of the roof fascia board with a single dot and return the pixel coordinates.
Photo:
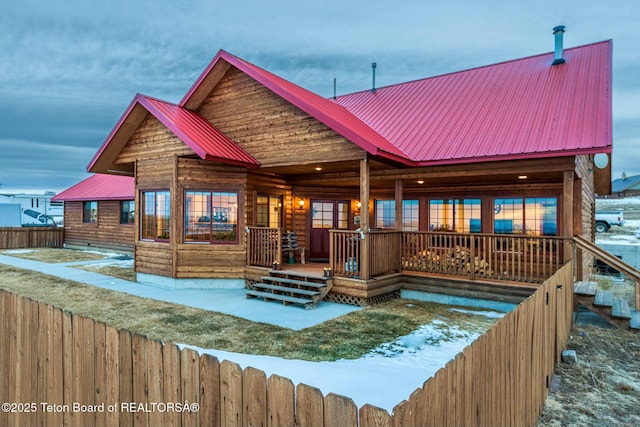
(523, 156)
(125, 126)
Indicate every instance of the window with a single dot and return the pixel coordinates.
(156, 215)
(127, 212)
(410, 215)
(268, 211)
(90, 212)
(460, 215)
(211, 217)
(343, 216)
(386, 214)
(534, 216)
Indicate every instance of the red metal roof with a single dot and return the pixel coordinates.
(524, 108)
(199, 134)
(328, 112)
(207, 141)
(99, 187)
(518, 109)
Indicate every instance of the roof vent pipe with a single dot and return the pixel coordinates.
(373, 69)
(558, 32)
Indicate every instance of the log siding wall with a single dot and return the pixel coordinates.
(107, 233)
(272, 130)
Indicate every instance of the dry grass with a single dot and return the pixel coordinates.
(54, 256)
(346, 337)
(114, 270)
(603, 388)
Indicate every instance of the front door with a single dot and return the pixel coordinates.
(325, 215)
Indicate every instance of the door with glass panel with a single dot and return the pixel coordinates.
(325, 215)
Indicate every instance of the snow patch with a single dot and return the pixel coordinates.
(383, 377)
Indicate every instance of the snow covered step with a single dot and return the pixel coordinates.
(585, 288)
(603, 298)
(635, 320)
(620, 309)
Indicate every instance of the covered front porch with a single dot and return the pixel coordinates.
(365, 265)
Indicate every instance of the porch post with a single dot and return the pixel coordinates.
(364, 218)
(567, 213)
(399, 196)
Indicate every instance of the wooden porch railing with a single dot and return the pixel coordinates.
(344, 253)
(264, 246)
(385, 252)
(530, 259)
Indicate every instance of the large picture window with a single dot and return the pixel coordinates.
(211, 217)
(155, 216)
(386, 214)
(90, 212)
(268, 211)
(535, 216)
(460, 215)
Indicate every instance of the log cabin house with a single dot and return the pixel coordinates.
(482, 175)
(99, 212)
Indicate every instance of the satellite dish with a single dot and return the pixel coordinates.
(601, 160)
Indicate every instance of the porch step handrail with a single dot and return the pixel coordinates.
(613, 261)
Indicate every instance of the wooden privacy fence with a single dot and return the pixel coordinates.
(31, 237)
(502, 378)
(63, 369)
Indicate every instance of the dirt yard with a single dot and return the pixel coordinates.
(603, 388)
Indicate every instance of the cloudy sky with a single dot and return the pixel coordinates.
(69, 68)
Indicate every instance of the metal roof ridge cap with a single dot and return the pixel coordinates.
(607, 41)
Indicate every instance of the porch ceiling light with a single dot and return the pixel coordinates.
(522, 177)
(420, 182)
(318, 168)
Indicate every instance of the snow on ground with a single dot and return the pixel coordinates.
(18, 251)
(384, 377)
(618, 201)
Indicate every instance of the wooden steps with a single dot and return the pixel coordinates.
(603, 298)
(615, 310)
(291, 288)
(620, 309)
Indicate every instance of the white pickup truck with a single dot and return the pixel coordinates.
(605, 219)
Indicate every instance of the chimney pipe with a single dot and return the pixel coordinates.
(373, 69)
(558, 32)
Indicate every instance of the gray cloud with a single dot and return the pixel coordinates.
(71, 67)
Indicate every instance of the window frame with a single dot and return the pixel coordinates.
(258, 220)
(92, 218)
(223, 210)
(390, 208)
(527, 204)
(131, 219)
(455, 204)
(154, 217)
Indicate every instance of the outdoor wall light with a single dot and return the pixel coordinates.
(358, 204)
(301, 203)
